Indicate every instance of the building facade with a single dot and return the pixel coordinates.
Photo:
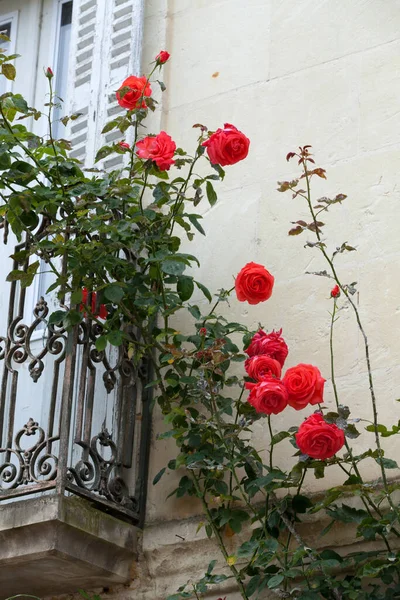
(287, 73)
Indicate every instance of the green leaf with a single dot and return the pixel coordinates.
(195, 311)
(204, 290)
(29, 219)
(211, 194)
(57, 317)
(185, 287)
(24, 277)
(301, 503)
(275, 581)
(20, 103)
(253, 584)
(194, 221)
(388, 463)
(173, 267)
(159, 475)
(247, 549)
(162, 85)
(114, 293)
(211, 567)
(76, 297)
(346, 513)
(331, 417)
(328, 554)
(103, 152)
(352, 480)
(351, 431)
(278, 437)
(72, 318)
(115, 337)
(110, 126)
(101, 343)
(8, 70)
(5, 161)
(319, 470)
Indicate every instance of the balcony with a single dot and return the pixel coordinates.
(74, 441)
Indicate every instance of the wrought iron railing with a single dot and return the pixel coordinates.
(73, 420)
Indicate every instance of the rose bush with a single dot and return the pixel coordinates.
(118, 234)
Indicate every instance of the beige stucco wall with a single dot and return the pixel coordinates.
(287, 73)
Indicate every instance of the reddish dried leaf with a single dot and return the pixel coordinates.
(296, 230)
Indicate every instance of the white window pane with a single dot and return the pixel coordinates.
(61, 80)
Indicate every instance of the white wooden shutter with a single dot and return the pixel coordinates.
(123, 39)
(106, 48)
(84, 88)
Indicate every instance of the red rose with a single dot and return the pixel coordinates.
(271, 344)
(138, 88)
(49, 73)
(160, 149)
(269, 396)
(305, 385)
(227, 146)
(124, 145)
(335, 292)
(162, 57)
(203, 331)
(254, 284)
(258, 367)
(319, 439)
(102, 314)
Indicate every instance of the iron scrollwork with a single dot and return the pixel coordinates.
(68, 452)
(33, 464)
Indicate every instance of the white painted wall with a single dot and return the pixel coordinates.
(287, 73)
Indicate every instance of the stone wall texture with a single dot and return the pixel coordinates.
(287, 73)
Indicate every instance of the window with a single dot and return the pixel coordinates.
(62, 60)
(8, 27)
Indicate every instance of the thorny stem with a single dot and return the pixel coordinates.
(271, 444)
(366, 500)
(51, 135)
(290, 534)
(180, 196)
(218, 537)
(289, 525)
(226, 294)
(142, 192)
(195, 591)
(364, 335)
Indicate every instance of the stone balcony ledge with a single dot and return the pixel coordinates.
(54, 545)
